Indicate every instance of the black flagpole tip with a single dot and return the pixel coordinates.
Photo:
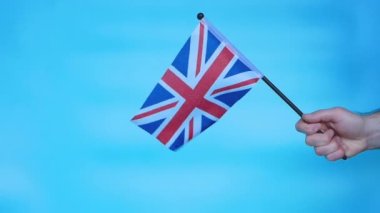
(200, 16)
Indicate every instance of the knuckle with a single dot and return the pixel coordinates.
(339, 110)
(334, 146)
(327, 136)
(331, 133)
(309, 129)
(325, 140)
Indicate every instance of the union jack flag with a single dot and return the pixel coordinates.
(206, 78)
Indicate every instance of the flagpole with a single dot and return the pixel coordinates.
(282, 96)
(200, 16)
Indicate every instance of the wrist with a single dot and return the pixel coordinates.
(372, 131)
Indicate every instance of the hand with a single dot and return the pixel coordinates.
(344, 133)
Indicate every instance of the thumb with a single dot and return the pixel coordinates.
(325, 115)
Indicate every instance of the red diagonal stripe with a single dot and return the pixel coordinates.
(197, 94)
(154, 111)
(175, 123)
(212, 108)
(200, 49)
(191, 129)
(214, 71)
(234, 86)
(176, 83)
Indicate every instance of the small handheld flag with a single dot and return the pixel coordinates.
(206, 78)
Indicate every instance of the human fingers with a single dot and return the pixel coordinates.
(339, 154)
(325, 115)
(327, 149)
(347, 150)
(306, 128)
(320, 139)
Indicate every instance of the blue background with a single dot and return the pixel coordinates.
(73, 73)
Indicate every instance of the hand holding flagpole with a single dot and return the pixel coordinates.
(287, 101)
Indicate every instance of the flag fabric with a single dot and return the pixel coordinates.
(206, 78)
